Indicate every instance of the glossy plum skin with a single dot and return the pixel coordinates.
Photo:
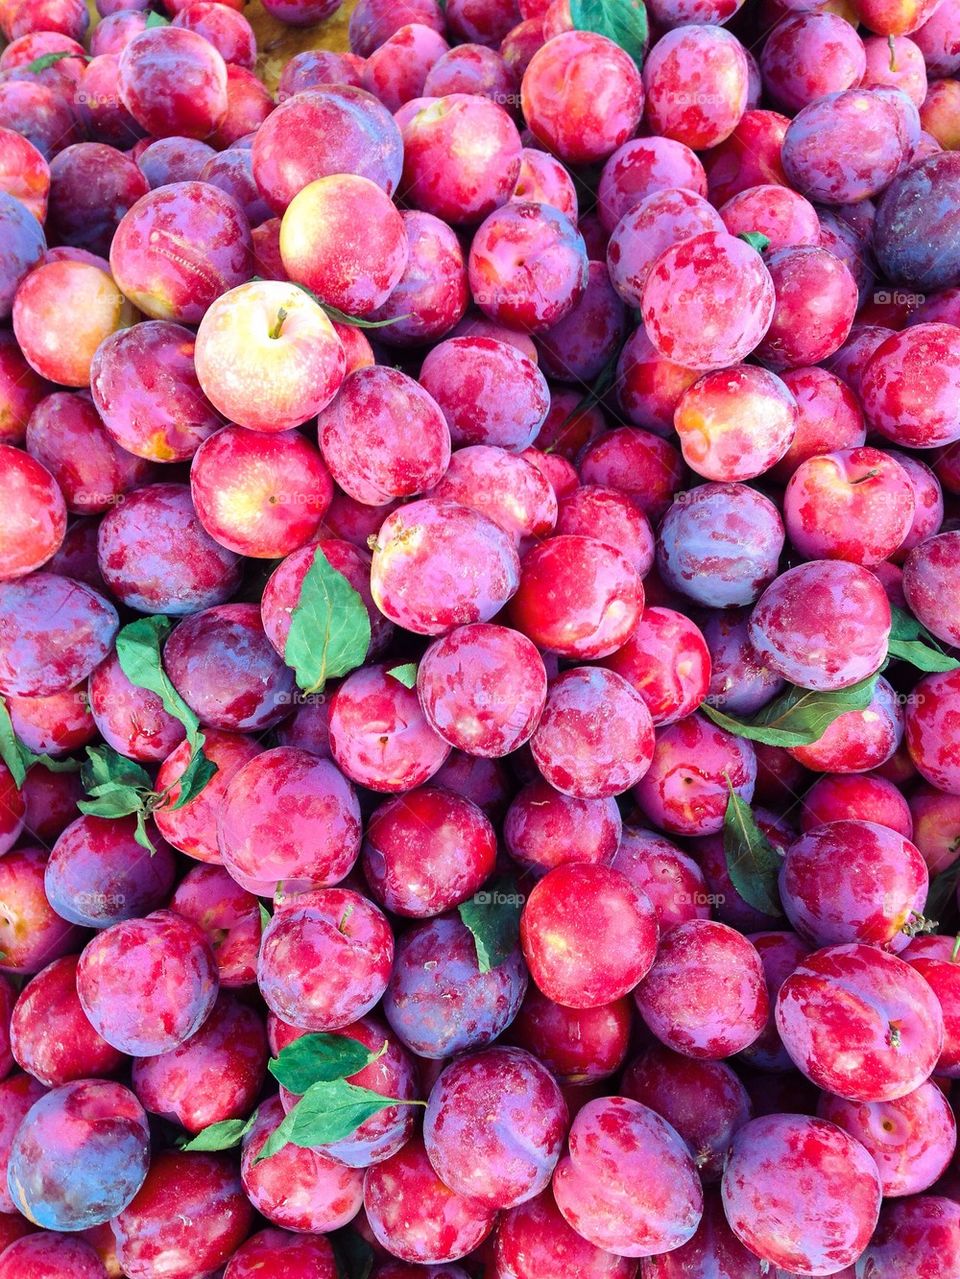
(534, 1239)
(426, 852)
(437, 565)
(368, 457)
(131, 719)
(911, 1139)
(628, 1183)
(680, 999)
(18, 1093)
(932, 727)
(858, 740)
(157, 557)
(53, 632)
(577, 1045)
(494, 1127)
(483, 689)
(785, 1216)
(853, 881)
(257, 494)
(36, 526)
(708, 301)
(927, 567)
(415, 1216)
(191, 1211)
(288, 817)
(485, 140)
(432, 294)
(842, 796)
(720, 544)
(557, 270)
(843, 147)
(64, 433)
(883, 1013)
(323, 248)
(560, 933)
(161, 276)
(595, 737)
(915, 200)
(274, 1253)
(229, 916)
(379, 735)
(582, 97)
(325, 958)
(227, 671)
(173, 82)
(648, 469)
(102, 311)
(685, 790)
(696, 82)
(649, 229)
(864, 501)
(822, 625)
(193, 828)
(49, 1253)
(460, 374)
(80, 1155)
(32, 934)
(161, 428)
(97, 874)
(829, 418)
(50, 1035)
(577, 597)
(438, 1002)
(148, 984)
(641, 167)
(816, 301)
(24, 247)
(292, 363)
(735, 424)
(322, 131)
(216, 1074)
(920, 1235)
(544, 828)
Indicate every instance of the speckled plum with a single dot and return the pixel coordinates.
(80, 1155)
(685, 790)
(50, 1035)
(148, 984)
(708, 301)
(438, 1002)
(589, 935)
(628, 1183)
(649, 228)
(467, 377)
(494, 1127)
(801, 1192)
(193, 828)
(860, 1023)
(705, 995)
(438, 564)
(180, 247)
(325, 958)
(696, 82)
(53, 632)
(228, 915)
(823, 625)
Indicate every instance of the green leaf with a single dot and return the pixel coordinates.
(320, 1058)
(752, 861)
(329, 627)
(621, 21)
(265, 916)
(118, 803)
(156, 20)
(912, 642)
(406, 674)
(222, 1136)
(756, 239)
(51, 59)
(493, 917)
(353, 1255)
(798, 716)
(942, 890)
(139, 653)
(328, 1111)
(106, 769)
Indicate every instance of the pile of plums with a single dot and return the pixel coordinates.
(480, 640)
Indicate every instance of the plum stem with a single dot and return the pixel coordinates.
(281, 316)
